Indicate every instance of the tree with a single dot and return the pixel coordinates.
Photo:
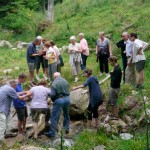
(50, 10)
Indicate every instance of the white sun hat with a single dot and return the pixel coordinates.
(72, 38)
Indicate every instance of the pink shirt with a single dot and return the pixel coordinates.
(84, 47)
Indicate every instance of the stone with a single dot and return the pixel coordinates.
(7, 71)
(118, 123)
(127, 119)
(78, 102)
(27, 147)
(17, 68)
(130, 102)
(21, 45)
(5, 43)
(126, 136)
(67, 142)
(143, 117)
(100, 147)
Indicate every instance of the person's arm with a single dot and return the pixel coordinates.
(77, 87)
(52, 94)
(110, 49)
(23, 92)
(96, 49)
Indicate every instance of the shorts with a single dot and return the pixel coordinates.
(140, 65)
(38, 61)
(45, 63)
(22, 113)
(113, 97)
(31, 66)
(35, 112)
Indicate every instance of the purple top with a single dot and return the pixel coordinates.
(39, 97)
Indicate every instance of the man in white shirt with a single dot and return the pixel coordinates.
(130, 76)
(138, 58)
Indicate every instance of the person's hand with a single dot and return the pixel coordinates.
(74, 88)
(124, 52)
(84, 92)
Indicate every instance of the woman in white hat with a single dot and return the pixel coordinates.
(75, 56)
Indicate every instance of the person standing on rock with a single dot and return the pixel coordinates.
(116, 76)
(39, 104)
(103, 51)
(95, 96)
(122, 44)
(138, 58)
(31, 53)
(75, 58)
(7, 94)
(84, 49)
(61, 101)
(20, 105)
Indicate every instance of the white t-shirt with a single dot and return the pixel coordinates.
(137, 44)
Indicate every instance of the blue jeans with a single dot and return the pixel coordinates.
(84, 58)
(59, 105)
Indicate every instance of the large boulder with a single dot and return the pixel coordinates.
(78, 102)
(5, 43)
(28, 147)
(21, 45)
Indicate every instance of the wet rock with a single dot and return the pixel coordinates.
(5, 43)
(78, 102)
(100, 147)
(7, 71)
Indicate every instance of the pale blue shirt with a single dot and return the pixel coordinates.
(128, 49)
(7, 94)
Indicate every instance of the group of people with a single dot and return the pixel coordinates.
(47, 53)
(38, 95)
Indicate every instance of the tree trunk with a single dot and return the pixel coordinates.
(50, 14)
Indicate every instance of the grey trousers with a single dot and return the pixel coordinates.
(130, 75)
(52, 68)
(75, 68)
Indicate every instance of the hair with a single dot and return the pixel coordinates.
(47, 44)
(13, 82)
(112, 59)
(42, 82)
(36, 40)
(73, 38)
(133, 35)
(88, 71)
(52, 43)
(22, 75)
(124, 33)
(44, 40)
(81, 34)
(57, 74)
(101, 33)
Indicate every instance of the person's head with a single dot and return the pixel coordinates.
(112, 60)
(125, 36)
(87, 72)
(52, 43)
(40, 38)
(81, 36)
(13, 83)
(37, 41)
(22, 77)
(42, 82)
(73, 39)
(47, 44)
(44, 40)
(56, 75)
(133, 36)
(101, 35)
